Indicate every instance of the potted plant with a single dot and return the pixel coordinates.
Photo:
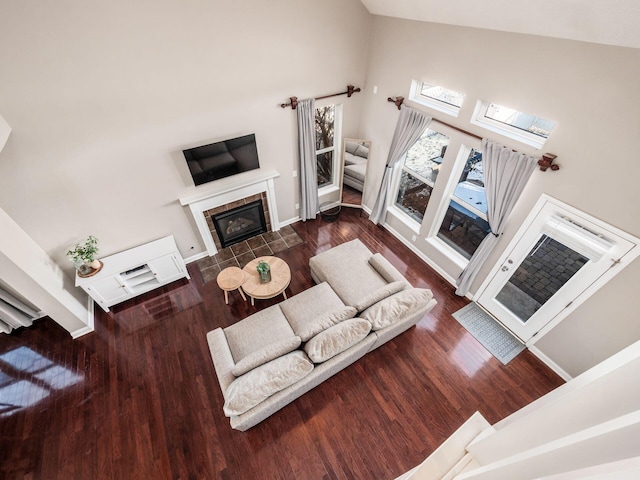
(83, 255)
(264, 270)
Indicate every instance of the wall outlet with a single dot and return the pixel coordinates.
(375, 89)
(297, 206)
(414, 238)
(295, 173)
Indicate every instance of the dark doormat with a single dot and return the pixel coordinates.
(489, 332)
(238, 255)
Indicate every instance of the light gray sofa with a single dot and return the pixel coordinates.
(355, 165)
(272, 357)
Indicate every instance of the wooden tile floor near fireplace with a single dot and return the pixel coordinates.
(238, 255)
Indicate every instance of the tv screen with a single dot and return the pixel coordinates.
(222, 159)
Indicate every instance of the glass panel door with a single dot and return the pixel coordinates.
(544, 271)
(557, 255)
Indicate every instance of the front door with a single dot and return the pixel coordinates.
(557, 257)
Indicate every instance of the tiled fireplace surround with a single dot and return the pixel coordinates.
(230, 193)
(230, 206)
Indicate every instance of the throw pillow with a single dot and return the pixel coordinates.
(391, 309)
(265, 354)
(307, 328)
(362, 151)
(253, 387)
(351, 147)
(336, 339)
(379, 294)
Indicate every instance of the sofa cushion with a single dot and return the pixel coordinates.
(257, 331)
(357, 172)
(255, 386)
(351, 147)
(336, 339)
(346, 268)
(315, 325)
(379, 294)
(306, 308)
(388, 311)
(362, 151)
(266, 354)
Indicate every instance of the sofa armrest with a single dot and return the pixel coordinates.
(222, 358)
(387, 270)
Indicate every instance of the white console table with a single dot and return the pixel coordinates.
(134, 272)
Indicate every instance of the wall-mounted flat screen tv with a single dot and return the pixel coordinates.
(222, 159)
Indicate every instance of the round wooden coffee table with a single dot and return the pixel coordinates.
(229, 279)
(280, 279)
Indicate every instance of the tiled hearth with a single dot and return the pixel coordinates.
(240, 254)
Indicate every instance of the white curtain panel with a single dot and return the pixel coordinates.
(306, 112)
(409, 128)
(506, 173)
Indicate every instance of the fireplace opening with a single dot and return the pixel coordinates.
(240, 223)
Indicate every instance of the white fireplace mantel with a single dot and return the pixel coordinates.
(229, 190)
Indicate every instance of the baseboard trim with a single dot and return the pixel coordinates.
(90, 321)
(290, 221)
(422, 256)
(81, 331)
(549, 363)
(196, 257)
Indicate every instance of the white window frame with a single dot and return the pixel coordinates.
(415, 96)
(336, 148)
(395, 183)
(522, 136)
(404, 217)
(432, 235)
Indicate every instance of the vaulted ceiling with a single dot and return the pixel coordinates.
(610, 22)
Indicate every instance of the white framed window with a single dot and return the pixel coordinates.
(436, 97)
(463, 216)
(520, 126)
(328, 120)
(415, 177)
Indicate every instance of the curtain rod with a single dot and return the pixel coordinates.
(545, 162)
(293, 101)
(397, 101)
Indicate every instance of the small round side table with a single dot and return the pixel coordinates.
(229, 279)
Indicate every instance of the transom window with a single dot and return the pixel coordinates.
(326, 123)
(465, 222)
(440, 98)
(418, 174)
(520, 126)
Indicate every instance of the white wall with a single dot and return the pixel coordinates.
(590, 90)
(103, 96)
(26, 267)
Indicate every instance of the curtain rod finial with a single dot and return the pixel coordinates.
(397, 100)
(547, 162)
(293, 103)
(351, 90)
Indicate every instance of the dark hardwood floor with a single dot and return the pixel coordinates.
(350, 195)
(139, 398)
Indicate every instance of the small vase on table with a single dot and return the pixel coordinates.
(264, 270)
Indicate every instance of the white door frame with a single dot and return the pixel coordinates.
(592, 288)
